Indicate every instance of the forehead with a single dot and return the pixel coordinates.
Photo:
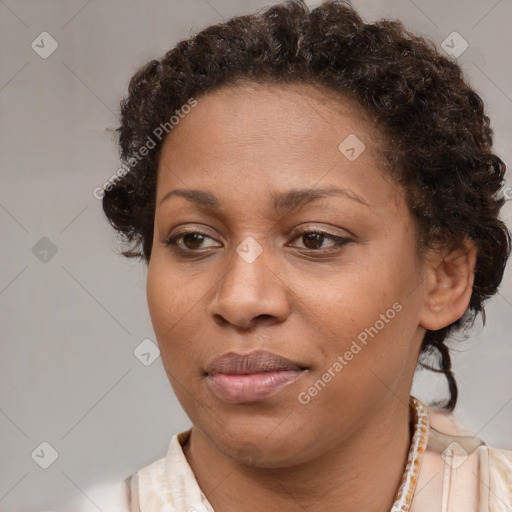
(286, 135)
(276, 112)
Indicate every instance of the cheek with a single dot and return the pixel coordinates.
(171, 295)
(349, 299)
(176, 303)
(171, 308)
(366, 311)
(160, 299)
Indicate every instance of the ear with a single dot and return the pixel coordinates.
(448, 284)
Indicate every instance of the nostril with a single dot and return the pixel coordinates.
(264, 316)
(219, 319)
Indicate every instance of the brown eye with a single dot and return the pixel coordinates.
(188, 242)
(313, 240)
(193, 240)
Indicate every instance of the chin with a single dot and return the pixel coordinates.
(252, 446)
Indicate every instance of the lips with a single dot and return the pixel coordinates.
(255, 362)
(242, 378)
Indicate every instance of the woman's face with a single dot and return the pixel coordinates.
(265, 271)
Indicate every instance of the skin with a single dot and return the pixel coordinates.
(302, 298)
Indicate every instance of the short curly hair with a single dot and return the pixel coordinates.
(418, 98)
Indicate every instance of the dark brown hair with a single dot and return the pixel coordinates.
(441, 138)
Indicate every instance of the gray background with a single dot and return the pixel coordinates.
(70, 325)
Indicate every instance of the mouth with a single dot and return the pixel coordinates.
(244, 378)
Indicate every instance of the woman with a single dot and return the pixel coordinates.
(317, 200)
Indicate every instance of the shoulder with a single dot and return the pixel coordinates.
(125, 495)
(462, 457)
(500, 475)
(106, 496)
(447, 422)
(148, 488)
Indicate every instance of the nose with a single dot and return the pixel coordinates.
(249, 292)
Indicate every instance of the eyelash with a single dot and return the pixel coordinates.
(338, 240)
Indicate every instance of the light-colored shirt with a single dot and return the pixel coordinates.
(447, 470)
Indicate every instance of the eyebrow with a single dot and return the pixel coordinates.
(284, 201)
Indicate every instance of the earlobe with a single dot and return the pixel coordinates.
(448, 285)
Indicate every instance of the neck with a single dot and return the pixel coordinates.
(362, 472)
